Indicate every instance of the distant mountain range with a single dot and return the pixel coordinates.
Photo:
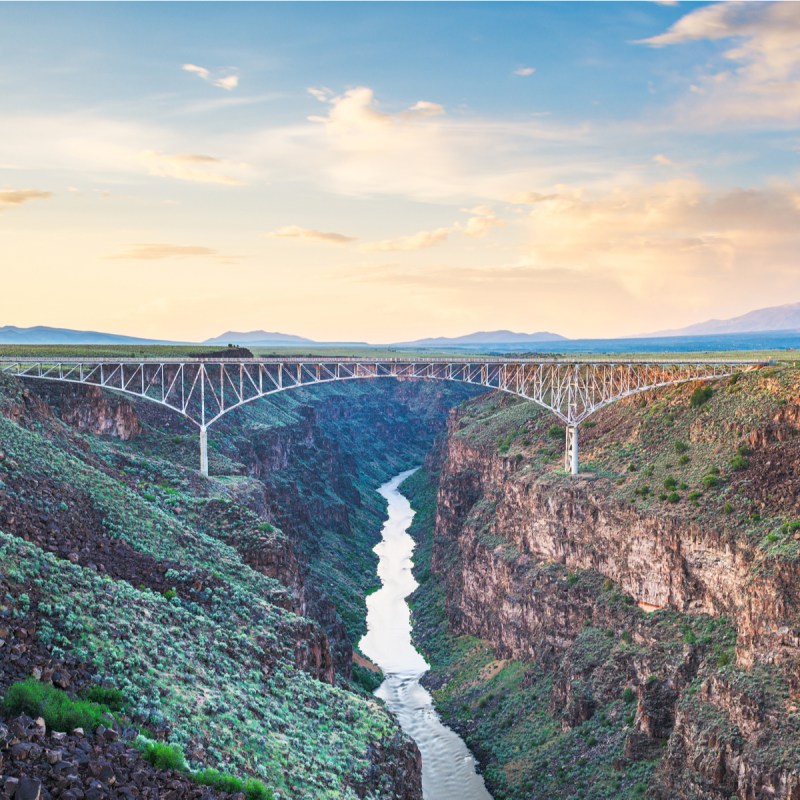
(485, 337)
(784, 319)
(774, 318)
(41, 334)
(258, 338)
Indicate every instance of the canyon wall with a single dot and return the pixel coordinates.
(565, 573)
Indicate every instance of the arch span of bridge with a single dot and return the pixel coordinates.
(203, 390)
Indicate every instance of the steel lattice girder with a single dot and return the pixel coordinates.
(204, 390)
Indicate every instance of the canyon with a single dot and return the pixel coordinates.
(632, 632)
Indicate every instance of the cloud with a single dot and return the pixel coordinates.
(296, 232)
(676, 243)
(228, 82)
(202, 72)
(758, 79)
(477, 226)
(153, 252)
(407, 244)
(419, 151)
(530, 198)
(16, 197)
(663, 161)
(321, 93)
(226, 79)
(483, 221)
(426, 109)
(524, 72)
(193, 167)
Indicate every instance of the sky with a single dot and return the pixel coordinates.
(389, 171)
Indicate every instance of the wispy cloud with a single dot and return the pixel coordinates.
(417, 241)
(759, 78)
(16, 197)
(479, 225)
(154, 252)
(227, 79)
(524, 72)
(193, 167)
(296, 232)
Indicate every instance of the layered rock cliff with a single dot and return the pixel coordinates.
(683, 507)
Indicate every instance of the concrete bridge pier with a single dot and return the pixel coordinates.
(204, 450)
(571, 451)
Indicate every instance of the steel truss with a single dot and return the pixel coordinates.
(204, 390)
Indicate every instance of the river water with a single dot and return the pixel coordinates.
(448, 768)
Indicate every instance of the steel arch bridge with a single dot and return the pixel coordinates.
(203, 390)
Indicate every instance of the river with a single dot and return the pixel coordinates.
(448, 768)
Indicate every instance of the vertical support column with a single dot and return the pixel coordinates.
(571, 451)
(204, 450)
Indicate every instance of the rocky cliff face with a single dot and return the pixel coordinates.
(530, 560)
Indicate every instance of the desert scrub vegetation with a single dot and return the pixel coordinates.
(188, 669)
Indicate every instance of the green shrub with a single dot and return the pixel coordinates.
(727, 508)
(710, 481)
(170, 594)
(110, 698)
(670, 483)
(252, 788)
(626, 637)
(555, 432)
(791, 527)
(700, 396)
(628, 696)
(266, 527)
(161, 755)
(684, 460)
(60, 712)
(739, 463)
(694, 496)
(724, 657)
(218, 780)
(673, 497)
(681, 447)
(366, 678)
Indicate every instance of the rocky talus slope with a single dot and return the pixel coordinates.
(637, 627)
(222, 610)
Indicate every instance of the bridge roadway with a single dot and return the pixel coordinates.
(202, 390)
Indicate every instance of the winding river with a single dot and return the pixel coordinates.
(448, 768)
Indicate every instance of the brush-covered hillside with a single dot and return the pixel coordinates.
(206, 625)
